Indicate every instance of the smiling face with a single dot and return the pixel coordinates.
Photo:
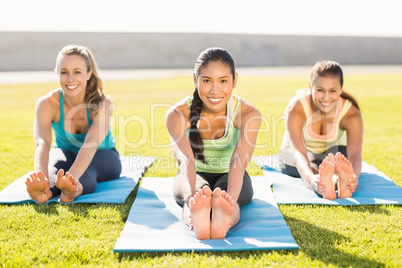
(73, 76)
(326, 92)
(215, 84)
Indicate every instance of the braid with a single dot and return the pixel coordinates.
(213, 54)
(194, 136)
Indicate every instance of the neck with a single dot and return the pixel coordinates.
(73, 101)
(207, 112)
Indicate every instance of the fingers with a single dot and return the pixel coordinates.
(71, 178)
(190, 223)
(351, 186)
(321, 187)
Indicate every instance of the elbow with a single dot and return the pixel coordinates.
(185, 161)
(91, 144)
(41, 143)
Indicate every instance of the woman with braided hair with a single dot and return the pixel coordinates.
(78, 112)
(213, 134)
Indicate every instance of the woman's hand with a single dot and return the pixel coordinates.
(351, 185)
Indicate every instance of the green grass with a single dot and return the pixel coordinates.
(81, 234)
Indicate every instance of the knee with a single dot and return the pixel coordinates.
(114, 169)
(88, 185)
(88, 188)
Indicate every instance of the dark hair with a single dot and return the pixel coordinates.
(213, 54)
(331, 68)
(94, 91)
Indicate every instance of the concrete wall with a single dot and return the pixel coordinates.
(21, 51)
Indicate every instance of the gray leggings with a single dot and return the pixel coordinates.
(213, 180)
(288, 167)
(105, 166)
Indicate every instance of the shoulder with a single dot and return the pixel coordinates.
(352, 117)
(295, 109)
(353, 112)
(178, 112)
(49, 101)
(47, 107)
(107, 101)
(295, 104)
(294, 112)
(247, 115)
(247, 109)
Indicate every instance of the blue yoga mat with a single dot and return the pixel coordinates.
(155, 223)
(114, 191)
(374, 187)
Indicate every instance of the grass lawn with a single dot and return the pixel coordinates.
(85, 234)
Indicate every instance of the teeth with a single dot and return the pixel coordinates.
(72, 87)
(215, 100)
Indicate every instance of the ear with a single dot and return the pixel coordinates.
(235, 80)
(310, 86)
(89, 74)
(195, 80)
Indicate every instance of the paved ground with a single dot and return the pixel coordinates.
(112, 75)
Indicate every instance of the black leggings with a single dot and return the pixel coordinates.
(213, 180)
(105, 166)
(288, 162)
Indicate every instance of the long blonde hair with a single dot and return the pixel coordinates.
(94, 92)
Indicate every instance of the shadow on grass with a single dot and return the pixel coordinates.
(235, 255)
(320, 244)
(316, 243)
(49, 209)
(372, 209)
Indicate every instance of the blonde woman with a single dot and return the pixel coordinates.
(84, 149)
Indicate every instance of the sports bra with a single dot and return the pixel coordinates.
(218, 152)
(74, 142)
(316, 143)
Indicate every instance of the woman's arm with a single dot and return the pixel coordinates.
(95, 136)
(353, 124)
(42, 131)
(248, 121)
(177, 124)
(294, 125)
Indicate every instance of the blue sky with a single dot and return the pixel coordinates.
(300, 17)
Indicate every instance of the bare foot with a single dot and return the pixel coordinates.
(222, 212)
(327, 170)
(200, 209)
(38, 187)
(345, 173)
(67, 185)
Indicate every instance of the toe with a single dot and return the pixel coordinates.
(60, 174)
